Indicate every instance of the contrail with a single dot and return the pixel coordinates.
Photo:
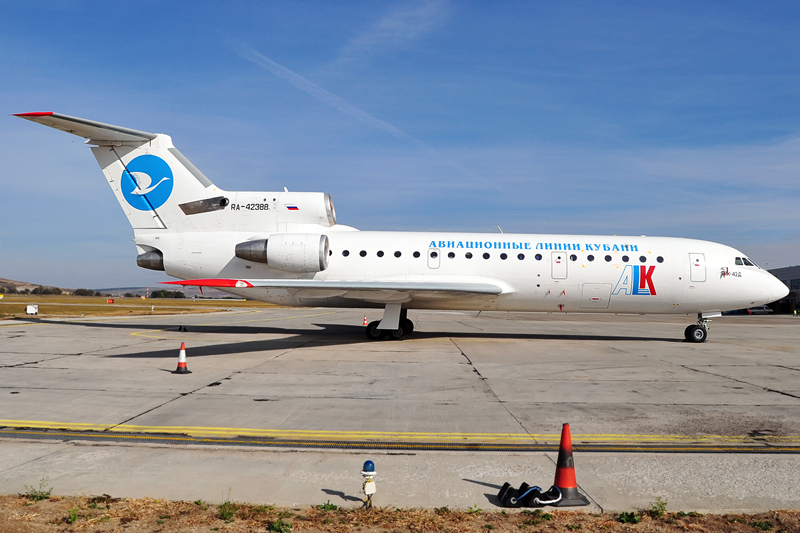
(346, 107)
(318, 92)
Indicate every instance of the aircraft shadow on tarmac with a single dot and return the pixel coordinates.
(313, 335)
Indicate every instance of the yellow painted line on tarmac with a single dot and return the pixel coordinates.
(404, 446)
(667, 448)
(486, 438)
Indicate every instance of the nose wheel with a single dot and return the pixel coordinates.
(697, 332)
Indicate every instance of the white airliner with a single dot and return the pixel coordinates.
(286, 248)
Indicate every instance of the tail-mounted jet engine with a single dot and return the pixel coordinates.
(290, 252)
(153, 260)
(306, 208)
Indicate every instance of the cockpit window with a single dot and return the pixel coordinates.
(748, 262)
(739, 261)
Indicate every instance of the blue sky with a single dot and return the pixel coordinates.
(668, 118)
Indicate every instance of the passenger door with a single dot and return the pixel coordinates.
(697, 267)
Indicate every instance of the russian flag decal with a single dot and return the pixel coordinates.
(292, 207)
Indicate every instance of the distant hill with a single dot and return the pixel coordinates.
(143, 291)
(21, 286)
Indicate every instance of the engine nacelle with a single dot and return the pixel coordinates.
(306, 208)
(290, 252)
(152, 260)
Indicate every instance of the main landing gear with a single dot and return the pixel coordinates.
(395, 324)
(697, 332)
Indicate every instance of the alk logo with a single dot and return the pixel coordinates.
(636, 280)
(147, 183)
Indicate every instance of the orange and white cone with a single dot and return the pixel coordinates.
(365, 320)
(182, 368)
(565, 474)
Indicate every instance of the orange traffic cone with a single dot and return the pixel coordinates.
(365, 320)
(182, 368)
(565, 474)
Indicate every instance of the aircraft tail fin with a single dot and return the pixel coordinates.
(156, 186)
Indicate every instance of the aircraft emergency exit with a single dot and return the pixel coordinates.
(286, 248)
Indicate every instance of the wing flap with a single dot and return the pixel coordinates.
(95, 132)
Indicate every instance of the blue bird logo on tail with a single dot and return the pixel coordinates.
(147, 182)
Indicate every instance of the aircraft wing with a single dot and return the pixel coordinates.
(95, 132)
(372, 291)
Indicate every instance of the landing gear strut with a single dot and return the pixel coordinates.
(399, 330)
(697, 332)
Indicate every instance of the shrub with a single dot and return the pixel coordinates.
(42, 492)
(628, 518)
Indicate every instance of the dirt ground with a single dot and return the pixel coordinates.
(27, 514)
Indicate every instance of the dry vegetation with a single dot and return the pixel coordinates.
(26, 514)
(13, 306)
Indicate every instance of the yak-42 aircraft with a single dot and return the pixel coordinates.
(286, 248)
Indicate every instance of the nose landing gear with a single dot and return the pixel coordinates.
(697, 332)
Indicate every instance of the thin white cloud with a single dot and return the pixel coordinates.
(399, 28)
(316, 91)
(342, 105)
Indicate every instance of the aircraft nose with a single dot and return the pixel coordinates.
(777, 289)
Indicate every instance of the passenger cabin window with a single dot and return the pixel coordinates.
(451, 255)
(416, 254)
(345, 252)
(503, 257)
(380, 253)
(397, 254)
(590, 258)
(468, 255)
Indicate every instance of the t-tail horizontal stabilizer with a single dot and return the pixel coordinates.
(94, 132)
(149, 176)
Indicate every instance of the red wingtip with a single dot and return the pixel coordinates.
(36, 114)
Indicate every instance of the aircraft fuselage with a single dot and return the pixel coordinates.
(551, 273)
